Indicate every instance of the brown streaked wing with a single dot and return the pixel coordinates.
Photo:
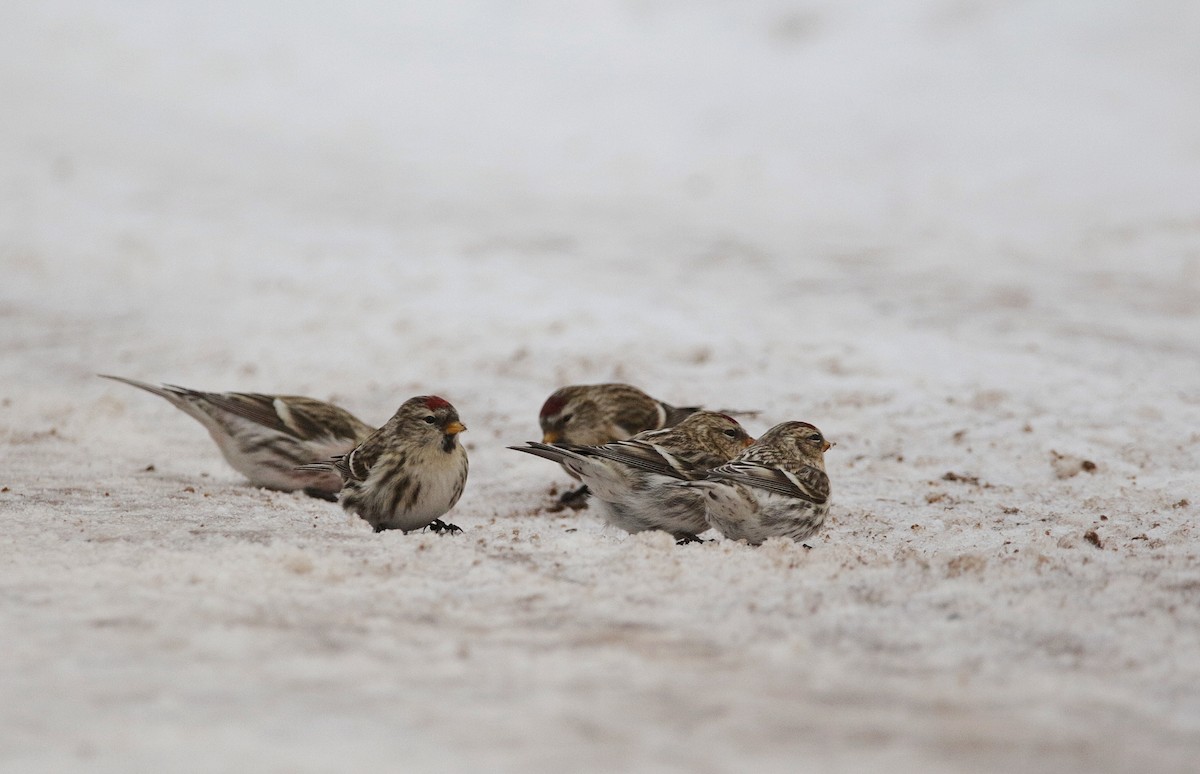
(315, 419)
(356, 465)
(637, 413)
(260, 409)
(808, 483)
(644, 456)
(253, 406)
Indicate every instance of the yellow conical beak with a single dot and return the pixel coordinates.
(454, 428)
(550, 437)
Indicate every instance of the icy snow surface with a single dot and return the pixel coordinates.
(960, 236)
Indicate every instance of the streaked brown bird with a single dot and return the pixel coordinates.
(596, 414)
(630, 478)
(776, 487)
(265, 437)
(407, 474)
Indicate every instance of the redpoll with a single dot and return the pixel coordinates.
(777, 486)
(594, 414)
(408, 473)
(630, 477)
(264, 437)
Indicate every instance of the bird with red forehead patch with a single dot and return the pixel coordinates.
(596, 414)
(776, 487)
(630, 478)
(408, 473)
(265, 437)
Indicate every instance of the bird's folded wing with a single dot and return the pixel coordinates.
(648, 457)
(303, 418)
(312, 419)
(354, 465)
(260, 409)
(808, 483)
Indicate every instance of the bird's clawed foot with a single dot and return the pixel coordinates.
(575, 499)
(442, 528)
(687, 537)
(320, 494)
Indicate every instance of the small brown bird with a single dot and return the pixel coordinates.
(264, 437)
(407, 474)
(777, 486)
(596, 414)
(629, 478)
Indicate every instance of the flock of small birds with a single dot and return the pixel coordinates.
(646, 464)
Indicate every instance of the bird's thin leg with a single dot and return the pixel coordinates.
(687, 537)
(442, 528)
(575, 499)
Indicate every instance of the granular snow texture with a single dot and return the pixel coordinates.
(962, 238)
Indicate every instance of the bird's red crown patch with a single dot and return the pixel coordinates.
(553, 405)
(433, 403)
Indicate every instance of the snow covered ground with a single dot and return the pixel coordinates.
(960, 236)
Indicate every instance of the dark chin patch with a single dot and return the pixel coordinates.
(447, 443)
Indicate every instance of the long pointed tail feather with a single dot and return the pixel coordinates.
(326, 465)
(546, 451)
(159, 391)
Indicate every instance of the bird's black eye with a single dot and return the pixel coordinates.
(731, 433)
(816, 438)
(567, 418)
(431, 420)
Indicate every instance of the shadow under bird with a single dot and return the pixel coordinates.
(407, 474)
(265, 437)
(595, 414)
(776, 487)
(630, 479)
